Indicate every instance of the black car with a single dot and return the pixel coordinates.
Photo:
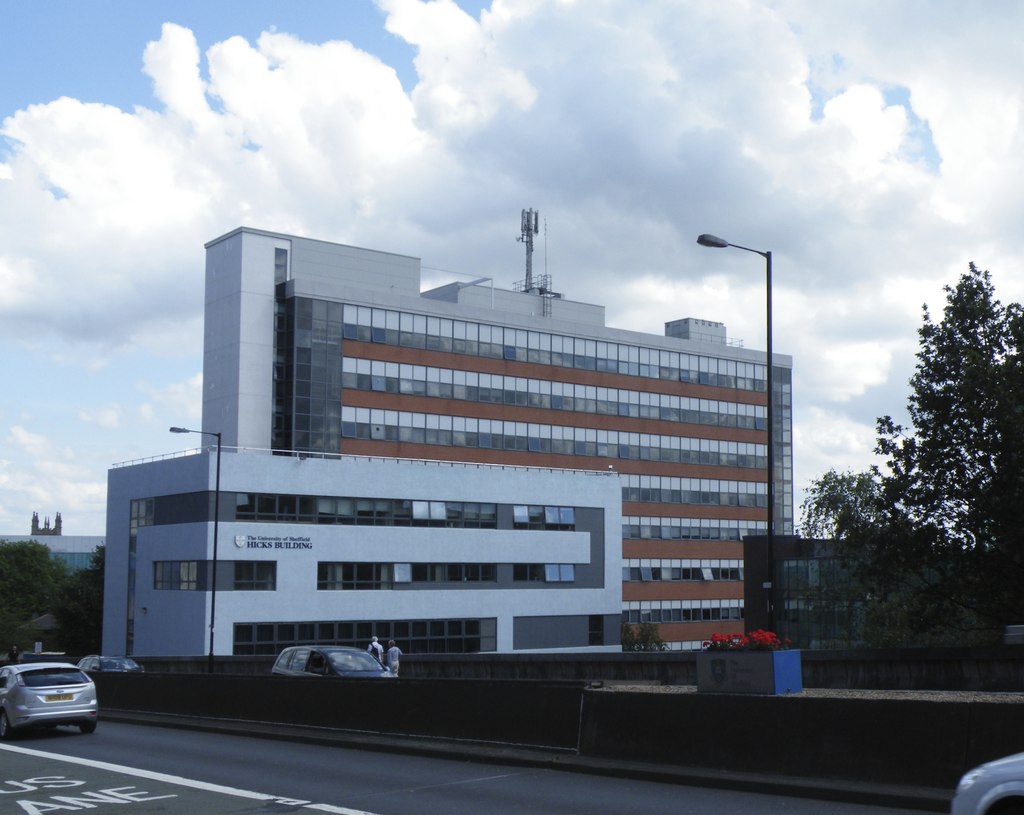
(329, 660)
(110, 664)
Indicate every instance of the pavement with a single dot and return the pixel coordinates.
(845, 790)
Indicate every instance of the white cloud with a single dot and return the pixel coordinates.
(31, 444)
(465, 73)
(183, 399)
(825, 440)
(108, 416)
(865, 144)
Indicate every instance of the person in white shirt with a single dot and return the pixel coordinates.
(376, 650)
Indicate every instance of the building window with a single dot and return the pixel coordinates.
(559, 573)
(176, 575)
(681, 611)
(255, 575)
(544, 572)
(348, 511)
(280, 265)
(498, 434)
(682, 570)
(439, 636)
(420, 380)
(645, 528)
(595, 625)
(481, 339)
(528, 572)
(454, 572)
(543, 517)
(332, 576)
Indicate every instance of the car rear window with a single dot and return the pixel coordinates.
(50, 677)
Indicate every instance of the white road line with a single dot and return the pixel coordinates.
(184, 782)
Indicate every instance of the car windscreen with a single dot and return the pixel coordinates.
(51, 677)
(353, 662)
(117, 665)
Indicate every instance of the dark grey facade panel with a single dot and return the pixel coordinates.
(570, 631)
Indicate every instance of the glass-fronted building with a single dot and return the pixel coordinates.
(319, 350)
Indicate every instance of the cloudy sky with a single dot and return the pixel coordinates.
(874, 146)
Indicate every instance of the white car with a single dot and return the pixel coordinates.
(995, 788)
(45, 694)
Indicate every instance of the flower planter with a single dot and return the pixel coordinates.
(770, 672)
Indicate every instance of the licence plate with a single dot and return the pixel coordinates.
(60, 697)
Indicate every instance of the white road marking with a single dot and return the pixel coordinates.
(185, 782)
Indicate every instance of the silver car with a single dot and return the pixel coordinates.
(45, 694)
(995, 788)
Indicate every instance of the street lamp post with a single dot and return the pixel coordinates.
(720, 243)
(216, 525)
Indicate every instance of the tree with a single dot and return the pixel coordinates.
(937, 537)
(30, 582)
(79, 611)
(30, 579)
(957, 482)
(840, 506)
(644, 637)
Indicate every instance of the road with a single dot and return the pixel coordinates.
(165, 770)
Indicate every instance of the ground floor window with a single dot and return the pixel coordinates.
(466, 636)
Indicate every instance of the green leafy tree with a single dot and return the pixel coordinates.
(643, 637)
(11, 632)
(30, 579)
(30, 582)
(840, 506)
(956, 487)
(79, 610)
(936, 539)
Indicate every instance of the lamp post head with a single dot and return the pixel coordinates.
(712, 241)
(179, 430)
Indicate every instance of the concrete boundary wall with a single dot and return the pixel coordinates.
(996, 669)
(534, 714)
(909, 742)
(881, 741)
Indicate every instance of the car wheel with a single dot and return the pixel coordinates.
(6, 731)
(87, 727)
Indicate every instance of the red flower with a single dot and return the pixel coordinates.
(754, 641)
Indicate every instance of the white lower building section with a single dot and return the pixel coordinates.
(442, 558)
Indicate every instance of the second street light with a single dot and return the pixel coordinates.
(216, 525)
(720, 243)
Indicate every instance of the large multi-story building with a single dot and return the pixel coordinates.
(318, 352)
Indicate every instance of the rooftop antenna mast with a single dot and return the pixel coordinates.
(542, 285)
(530, 227)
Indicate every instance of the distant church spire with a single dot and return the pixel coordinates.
(45, 529)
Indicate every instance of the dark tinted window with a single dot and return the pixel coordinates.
(49, 677)
(353, 661)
